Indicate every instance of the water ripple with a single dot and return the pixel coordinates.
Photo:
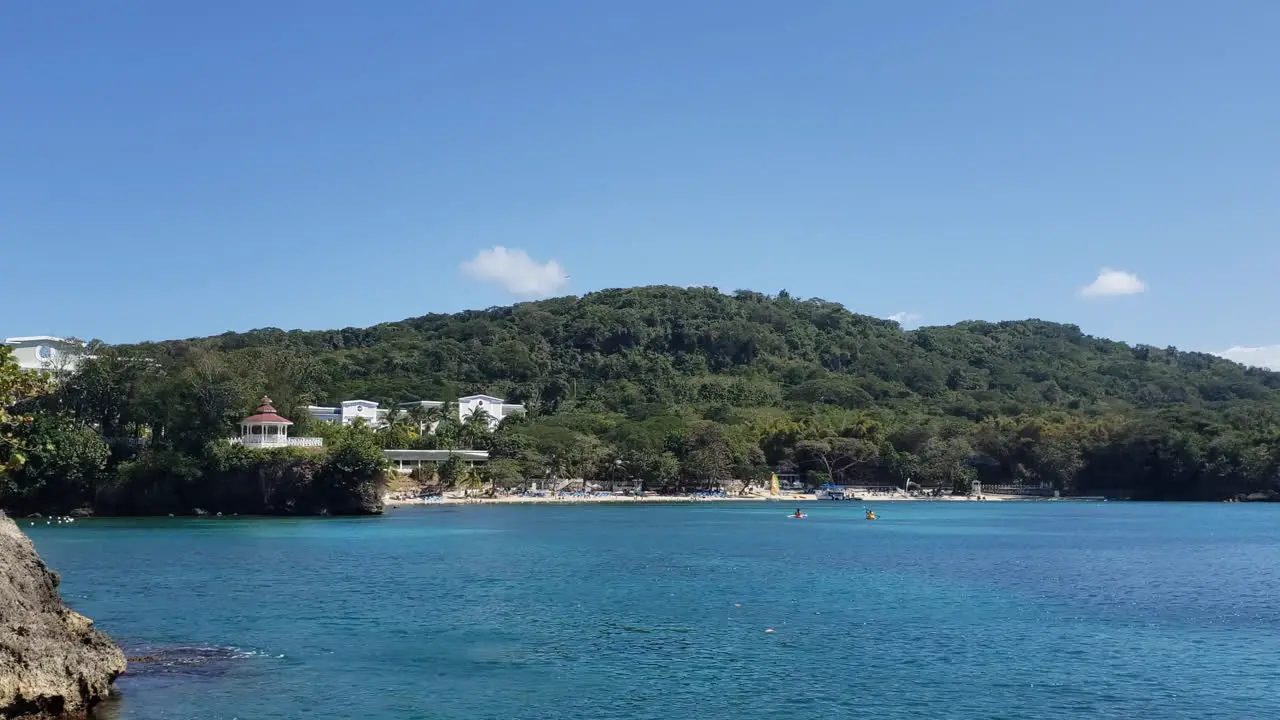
(936, 611)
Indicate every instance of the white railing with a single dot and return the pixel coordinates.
(270, 441)
(259, 441)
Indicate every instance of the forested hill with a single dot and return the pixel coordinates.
(692, 387)
(627, 350)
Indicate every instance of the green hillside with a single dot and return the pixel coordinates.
(693, 385)
(621, 350)
(685, 388)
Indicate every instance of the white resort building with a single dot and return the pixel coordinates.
(266, 428)
(495, 407)
(349, 411)
(46, 352)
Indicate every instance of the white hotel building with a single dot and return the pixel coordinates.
(46, 352)
(349, 411)
(268, 429)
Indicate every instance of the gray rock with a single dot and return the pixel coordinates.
(53, 662)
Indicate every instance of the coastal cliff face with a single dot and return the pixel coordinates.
(53, 662)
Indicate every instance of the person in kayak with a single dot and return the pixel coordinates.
(798, 513)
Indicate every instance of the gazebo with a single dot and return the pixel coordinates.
(265, 428)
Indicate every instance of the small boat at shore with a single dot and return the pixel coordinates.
(835, 492)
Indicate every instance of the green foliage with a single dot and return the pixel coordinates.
(502, 473)
(356, 452)
(353, 470)
(63, 468)
(16, 386)
(426, 476)
(452, 471)
(130, 433)
(692, 388)
(160, 480)
(468, 479)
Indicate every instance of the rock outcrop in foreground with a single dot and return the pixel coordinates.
(53, 663)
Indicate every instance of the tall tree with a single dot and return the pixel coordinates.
(16, 386)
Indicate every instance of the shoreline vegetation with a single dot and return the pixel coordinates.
(667, 390)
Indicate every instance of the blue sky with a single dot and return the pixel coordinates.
(174, 169)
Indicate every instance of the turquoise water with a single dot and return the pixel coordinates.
(938, 610)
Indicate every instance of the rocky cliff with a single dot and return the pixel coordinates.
(53, 662)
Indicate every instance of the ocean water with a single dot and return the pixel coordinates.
(937, 610)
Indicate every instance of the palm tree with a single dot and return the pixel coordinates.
(470, 480)
(477, 428)
(445, 420)
(480, 415)
(426, 417)
(446, 412)
(418, 417)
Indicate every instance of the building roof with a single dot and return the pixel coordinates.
(36, 338)
(482, 397)
(265, 415)
(435, 454)
(265, 419)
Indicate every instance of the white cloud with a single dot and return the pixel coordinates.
(1113, 282)
(1265, 356)
(904, 318)
(517, 273)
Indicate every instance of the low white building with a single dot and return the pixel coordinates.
(46, 352)
(406, 461)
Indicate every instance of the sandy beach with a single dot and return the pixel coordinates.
(451, 499)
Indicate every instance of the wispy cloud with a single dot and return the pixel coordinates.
(517, 273)
(1263, 356)
(904, 318)
(1113, 282)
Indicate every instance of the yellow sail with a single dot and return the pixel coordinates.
(773, 485)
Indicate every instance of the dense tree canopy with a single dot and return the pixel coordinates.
(692, 387)
(620, 350)
(132, 434)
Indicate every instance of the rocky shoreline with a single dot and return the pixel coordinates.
(53, 662)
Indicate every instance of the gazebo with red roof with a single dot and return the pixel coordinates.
(265, 428)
